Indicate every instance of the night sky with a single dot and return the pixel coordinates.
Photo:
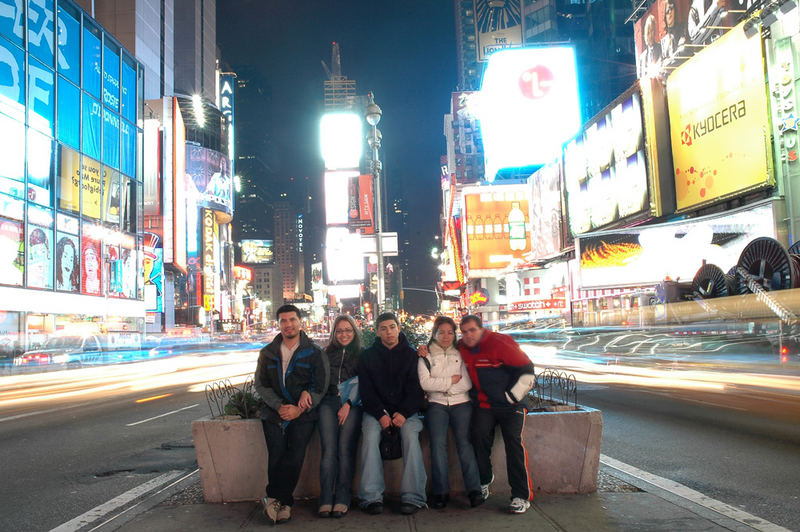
(405, 52)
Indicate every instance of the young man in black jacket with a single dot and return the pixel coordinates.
(391, 397)
(291, 378)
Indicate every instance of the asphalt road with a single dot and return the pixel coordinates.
(70, 441)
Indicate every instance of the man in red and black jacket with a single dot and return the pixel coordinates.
(502, 375)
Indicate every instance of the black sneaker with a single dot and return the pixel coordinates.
(373, 508)
(476, 498)
(409, 509)
(439, 501)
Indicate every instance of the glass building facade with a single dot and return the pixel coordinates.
(70, 157)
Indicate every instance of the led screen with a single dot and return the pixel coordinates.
(342, 265)
(211, 178)
(258, 252)
(337, 197)
(545, 215)
(529, 106)
(341, 139)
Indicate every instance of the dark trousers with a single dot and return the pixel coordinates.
(286, 447)
(512, 425)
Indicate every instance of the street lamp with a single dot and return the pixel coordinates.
(373, 116)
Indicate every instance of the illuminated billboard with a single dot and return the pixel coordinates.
(719, 122)
(498, 25)
(545, 211)
(258, 252)
(341, 140)
(648, 255)
(40, 257)
(359, 207)
(208, 171)
(344, 264)
(316, 277)
(529, 106)
(12, 245)
(91, 273)
(498, 227)
(337, 197)
(180, 208)
(619, 167)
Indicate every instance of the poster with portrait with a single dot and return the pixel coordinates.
(114, 275)
(91, 274)
(211, 181)
(12, 256)
(68, 271)
(40, 257)
(128, 273)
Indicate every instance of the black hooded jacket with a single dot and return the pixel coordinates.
(389, 381)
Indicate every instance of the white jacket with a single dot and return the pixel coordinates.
(438, 383)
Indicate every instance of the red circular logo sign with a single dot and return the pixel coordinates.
(536, 82)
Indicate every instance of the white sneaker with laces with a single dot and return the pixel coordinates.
(518, 506)
(271, 508)
(485, 488)
(284, 514)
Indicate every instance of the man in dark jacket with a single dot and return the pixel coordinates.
(291, 378)
(391, 397)
(502, 375)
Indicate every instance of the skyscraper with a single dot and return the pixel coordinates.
(340, 92)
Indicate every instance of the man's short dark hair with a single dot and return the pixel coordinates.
(288, 308)
(385, 317)
(471, 317)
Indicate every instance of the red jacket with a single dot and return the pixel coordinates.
(501, 373)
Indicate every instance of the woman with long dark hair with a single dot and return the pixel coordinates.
(340, 419)
(444, 378)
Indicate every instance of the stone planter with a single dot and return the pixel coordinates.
(563, 457)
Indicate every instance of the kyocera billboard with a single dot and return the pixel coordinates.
(498, 227)
(528, 106)
(719, 122)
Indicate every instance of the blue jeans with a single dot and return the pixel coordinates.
(339, 445)
(459, 417)
(412, 487)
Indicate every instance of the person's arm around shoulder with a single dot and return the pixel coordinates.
(321, 370)
(262, 386)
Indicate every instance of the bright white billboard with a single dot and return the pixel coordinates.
(529, 106)
(341, 140)
(344, 262)
(337, 197)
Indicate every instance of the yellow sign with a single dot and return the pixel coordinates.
(208, 302)
(91, 182)
(719, 121)
(69, 172)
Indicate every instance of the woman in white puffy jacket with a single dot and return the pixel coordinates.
(444, 379)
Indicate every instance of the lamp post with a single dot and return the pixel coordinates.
(373, 116)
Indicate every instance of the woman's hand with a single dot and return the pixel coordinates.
(455, 378)
(344, 411)
(422, 350)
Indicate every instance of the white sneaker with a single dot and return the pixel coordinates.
(485, 488)
(518, 506)
(271, 508)
(284, 514)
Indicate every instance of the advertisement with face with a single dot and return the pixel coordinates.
(211, 178)
(11, 253)
(498, 226)
(498, 25)
(40, 257)
(128, 273)
(545, 214)
(91, 272)
(648, 255)
(719, 122)
(258, 252)
(68, 271)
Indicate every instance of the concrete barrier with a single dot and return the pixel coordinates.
(563, 455)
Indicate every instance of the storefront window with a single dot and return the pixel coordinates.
(10, 335)
(69, 179)
(11, 19)
(90, 267)
(128, 89)
(40, 257)
(112, 195)
(40, 29)
(12, 148)
(41, 168)
(111, 75)
(92, 127)
(12, 80)
(128, 205)
(128, 153)
(12, 256)
(111, 139)
(68, 271)
(91, 185)
(69, 42)
(41, 97)
(69, 114)
(92, 72)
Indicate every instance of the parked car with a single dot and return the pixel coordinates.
(68, 351)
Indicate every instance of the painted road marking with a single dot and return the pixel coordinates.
(48, 411)
(162, 415)
(696, 497)
(100, 511)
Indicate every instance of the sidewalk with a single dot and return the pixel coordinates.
(617, 505)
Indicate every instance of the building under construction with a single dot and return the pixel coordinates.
(340, 92)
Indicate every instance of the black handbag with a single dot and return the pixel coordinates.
(391, 444)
